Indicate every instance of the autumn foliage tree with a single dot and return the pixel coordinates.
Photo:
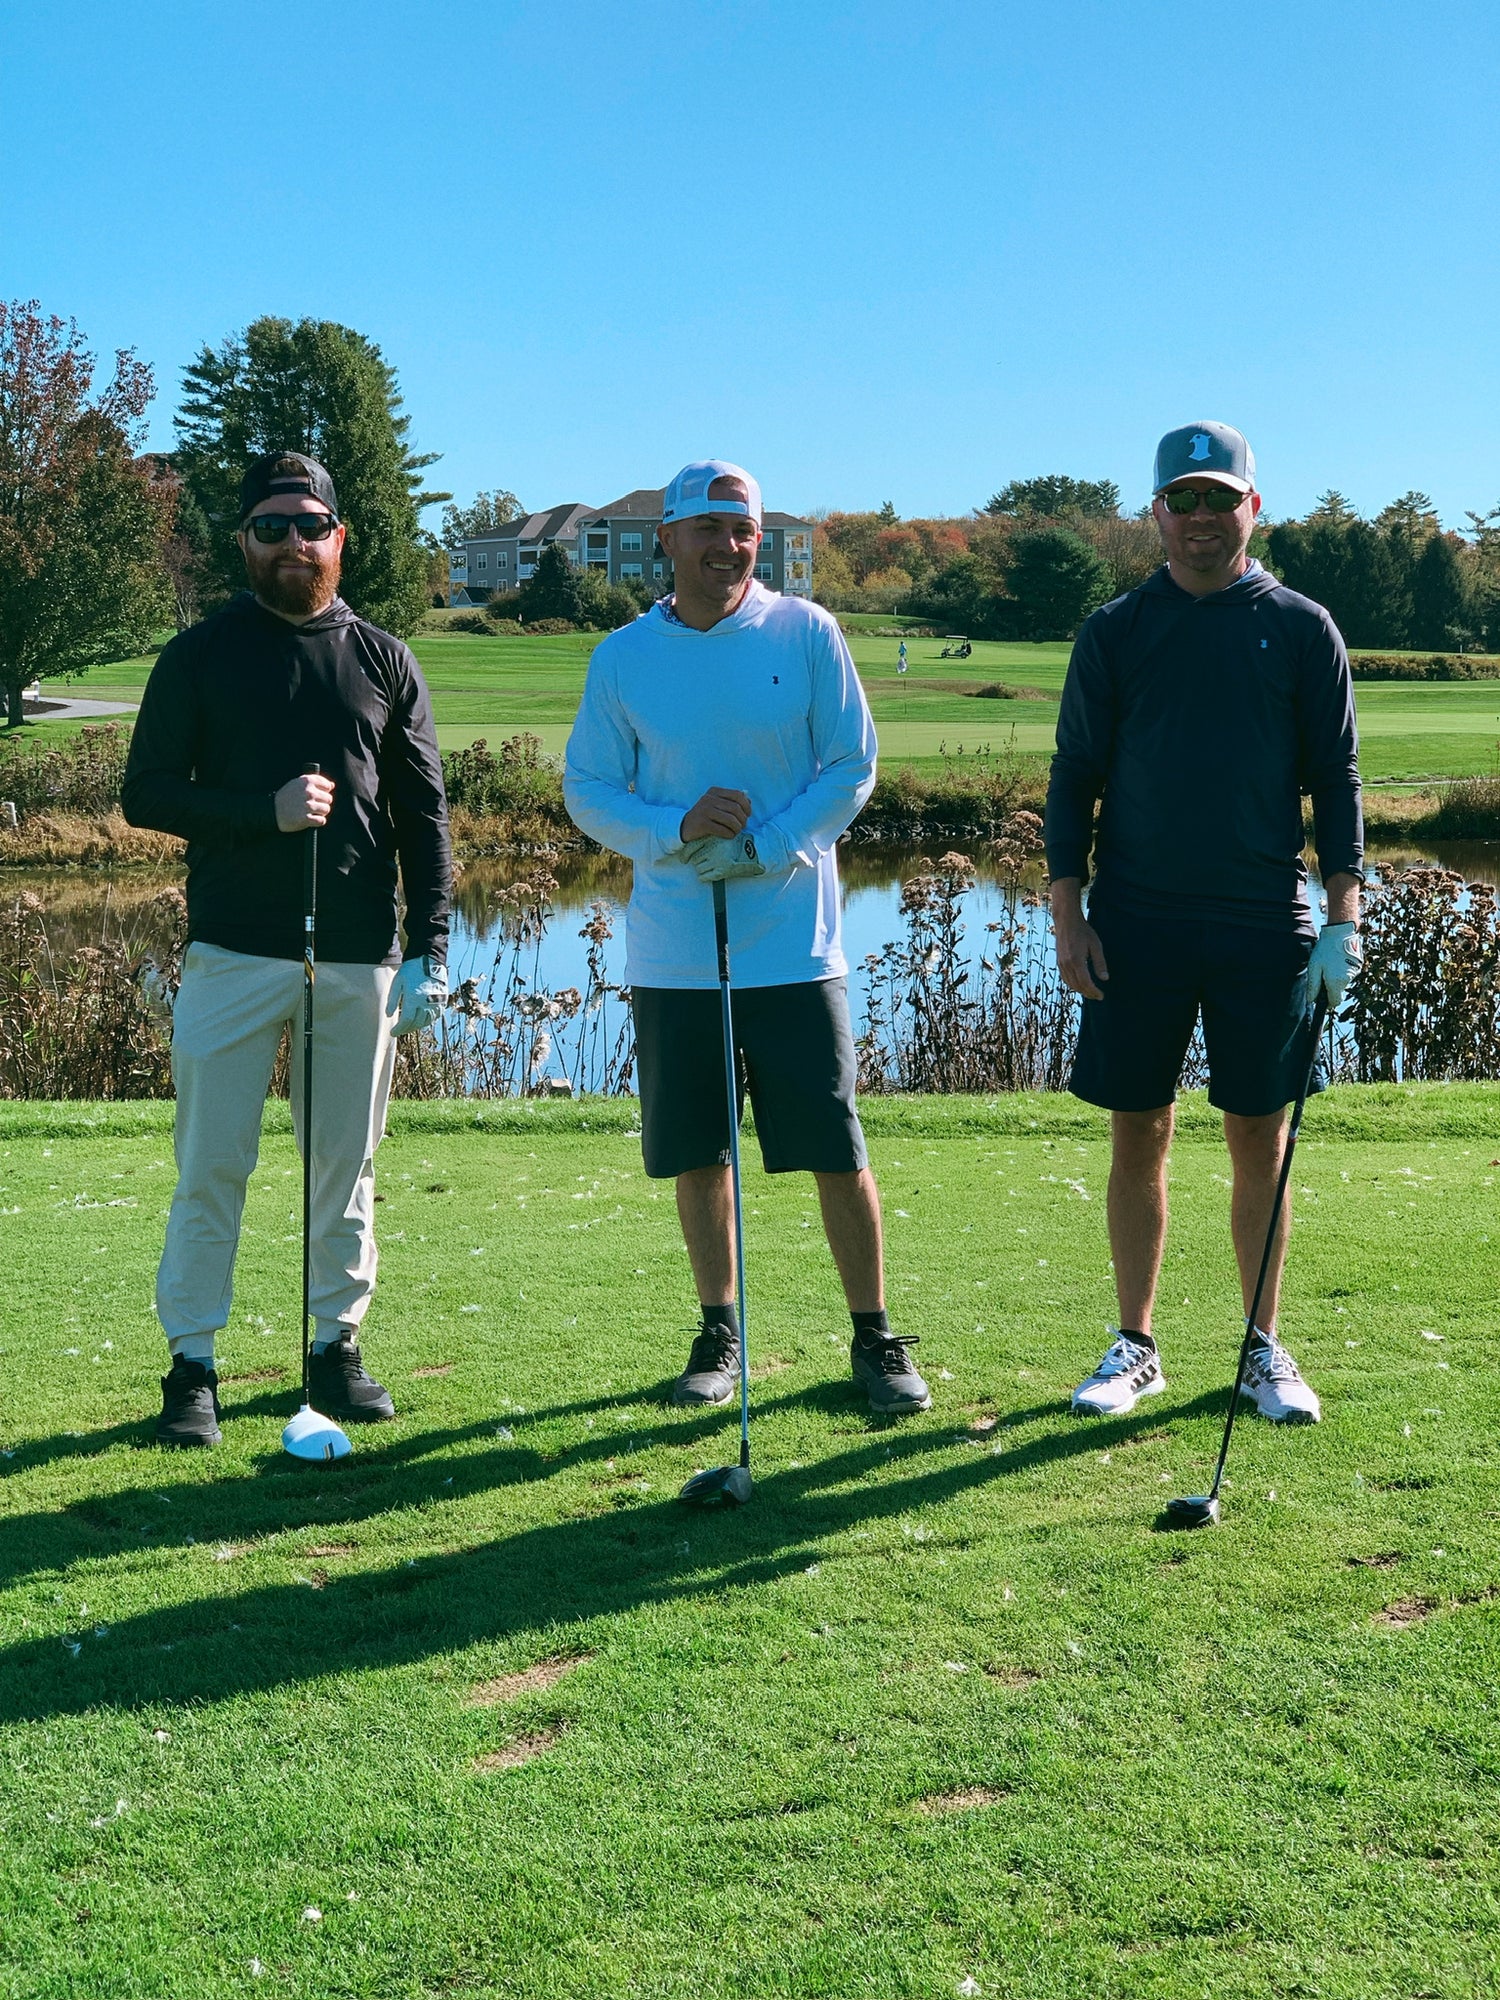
(82, 520)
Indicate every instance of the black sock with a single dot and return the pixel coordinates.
(725, 1316)
(1140, 1339)
(871, 1326)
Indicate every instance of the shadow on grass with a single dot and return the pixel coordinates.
(613, 1559)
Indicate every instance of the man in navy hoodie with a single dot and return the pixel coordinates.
(1198, 710)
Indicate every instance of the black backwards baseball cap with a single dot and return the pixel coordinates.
(1213, 451)
(286, 472)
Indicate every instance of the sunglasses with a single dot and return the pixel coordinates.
(1186, 500)
(310, 527)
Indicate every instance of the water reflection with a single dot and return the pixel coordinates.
(80, 904)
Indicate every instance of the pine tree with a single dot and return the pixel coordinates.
(1442, 614)
(320, 388)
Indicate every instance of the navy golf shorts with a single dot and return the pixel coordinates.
(1248, 985)
(795, 1051)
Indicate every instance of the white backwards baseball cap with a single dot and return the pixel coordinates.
(691, 492)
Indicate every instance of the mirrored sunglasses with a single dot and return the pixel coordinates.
(1184, 499)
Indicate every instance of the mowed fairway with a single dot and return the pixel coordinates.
(481, 1711)
(495, 687)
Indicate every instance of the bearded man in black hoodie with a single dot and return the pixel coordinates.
(1197, 712)
(237, 709)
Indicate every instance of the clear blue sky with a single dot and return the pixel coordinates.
(875, 252)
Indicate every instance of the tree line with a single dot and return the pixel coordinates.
(102, 542)
(1043, 553)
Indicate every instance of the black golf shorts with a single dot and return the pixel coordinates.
(1249, 985)
(796, 1058)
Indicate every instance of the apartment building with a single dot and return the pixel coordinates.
(504, 560)
(621, 540)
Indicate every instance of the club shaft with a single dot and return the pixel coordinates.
(309, 980)
(732, 1105)
(1319, 1016)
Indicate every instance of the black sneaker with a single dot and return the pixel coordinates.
(713, 1371)
(884, 1370)
(338, 1387)
(189, 1405)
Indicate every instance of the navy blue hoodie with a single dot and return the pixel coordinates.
(1200, 722)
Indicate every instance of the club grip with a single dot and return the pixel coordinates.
(312, 770)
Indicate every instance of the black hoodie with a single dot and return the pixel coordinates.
(1200, 722)
(244, 701)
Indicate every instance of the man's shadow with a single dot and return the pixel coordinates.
(624, 1554)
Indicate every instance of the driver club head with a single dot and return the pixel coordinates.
(312, 1436)
(728, 1485)
(1200, 1510)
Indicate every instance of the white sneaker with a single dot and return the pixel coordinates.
(1127, 1372)
(1274, 1383)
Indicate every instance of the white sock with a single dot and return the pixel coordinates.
(194, 1347)
(322, 1340)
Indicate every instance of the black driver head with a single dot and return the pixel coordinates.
(1201, 1510)
(725, 1485)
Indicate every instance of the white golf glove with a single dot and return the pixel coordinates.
(417, 993)
(1336, 957)
(721, 860)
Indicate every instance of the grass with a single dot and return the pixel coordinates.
(1410, 731)
(940, 1705)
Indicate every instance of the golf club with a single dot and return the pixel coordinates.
(309, 1435)
(729, 1483)
(1201, 1510)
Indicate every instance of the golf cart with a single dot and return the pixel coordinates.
(955, 647)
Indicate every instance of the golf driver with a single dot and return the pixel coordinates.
(729, 1483)
(309, 1435)
(1201, 1510)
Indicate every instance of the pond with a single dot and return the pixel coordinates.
(505, 955)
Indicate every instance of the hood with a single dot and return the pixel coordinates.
(752, 608)
(1256, 582)
(328, 619)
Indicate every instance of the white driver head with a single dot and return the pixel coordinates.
(310, 1436)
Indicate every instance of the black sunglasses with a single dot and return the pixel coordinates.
(1185, 499)
(310, 527)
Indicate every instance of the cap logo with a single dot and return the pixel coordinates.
(1202, 447)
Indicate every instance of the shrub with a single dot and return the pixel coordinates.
(548, 628)
(518, 779)
(80, 774)
(1468, 809)
(1424, 666)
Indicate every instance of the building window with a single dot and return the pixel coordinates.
(765, 571)
(630, 544)
(502, 560)
(482, 561)
(658, 570)
(598, 541)
(630, 569)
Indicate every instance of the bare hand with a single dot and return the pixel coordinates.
(719, 815)
(1080, 957)
(304, 802)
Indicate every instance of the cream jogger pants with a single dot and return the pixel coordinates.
(226, 1027)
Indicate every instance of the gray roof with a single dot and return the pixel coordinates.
(645, 504)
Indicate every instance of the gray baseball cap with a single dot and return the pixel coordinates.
(1213, 451)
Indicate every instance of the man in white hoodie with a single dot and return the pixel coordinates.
(724, 736)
